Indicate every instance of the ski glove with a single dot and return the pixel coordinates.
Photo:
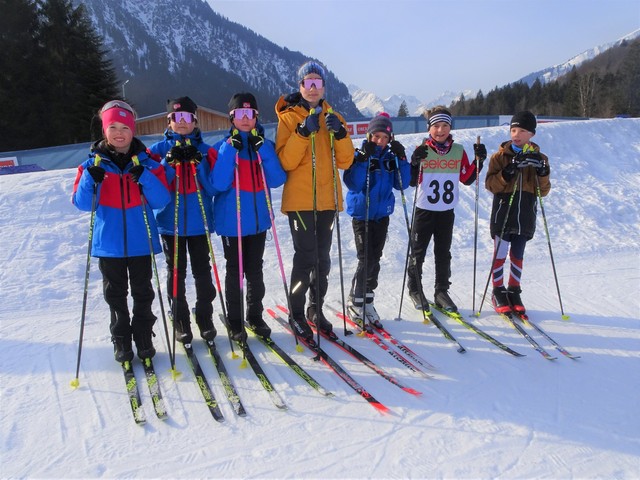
(397, 149)
(135, 172)
(335, 125)
(175, 155)
(480, 151)
(236, 140)
(419, 154)
(360, 156)
(369, 148)
(390, 165)
(310, 125)
(415, 174)
(255, 140)
(97, 173)
(191, 153)
(510, 170)
(543, 170)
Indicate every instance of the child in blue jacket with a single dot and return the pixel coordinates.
(380, 166)
(239, 156)
(184, 151)
(117, 170)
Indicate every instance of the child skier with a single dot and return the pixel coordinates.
(515, 173)
(184, 152)
(237, 170)
(304, 145)
(380, 166)
(438, 166)
(117, 170)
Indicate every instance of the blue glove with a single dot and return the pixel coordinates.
(310, 125)
(335, 125)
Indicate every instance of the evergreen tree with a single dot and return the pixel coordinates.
(403, 111)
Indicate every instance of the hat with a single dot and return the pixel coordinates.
(525, 120)
(380, 123)
(439, 114)
(310, 67)
(243, 100)
(181, 104)
(117, 111)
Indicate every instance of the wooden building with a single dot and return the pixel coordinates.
(208, 120)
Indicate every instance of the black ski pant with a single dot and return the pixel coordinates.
(428, 224)
(117, 274)
(198, 248)
(376, 238)
(312, 251)
(252, 253)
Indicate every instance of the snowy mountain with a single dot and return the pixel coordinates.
(166, 48)
(553, 73)
(484, 414)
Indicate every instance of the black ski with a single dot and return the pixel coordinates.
(447, 334)
(154, 389)
(525, 318)
(273, 346)
(201, 380)
(511, 318)
(458, 318)
(359, 356)
(229, 389)
(333, 365)
(133, 393)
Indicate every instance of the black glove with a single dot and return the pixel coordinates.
(255, 140)
(480, 151)
(397, 149)
(310, 125)
(97, 173)
(175, 155)
(360, 156)
(415, 173)
(191, 153)
(543, 170)
(369, 148)
(374, 164)
(419, 154)
(236, 140)
(135, 172)
(390, 164)
(335, 125)
(509, 171)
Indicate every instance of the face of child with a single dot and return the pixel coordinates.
(119, 136)
(315, 92)
(439, 131)
(182, 127)
(244, 123)
(520, 136)
(380, 138)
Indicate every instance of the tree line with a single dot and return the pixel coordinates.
(604, 87)
(55, 74)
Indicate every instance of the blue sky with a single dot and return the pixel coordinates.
(425, 47)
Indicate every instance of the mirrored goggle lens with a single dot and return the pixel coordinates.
(312, 82)
(117, 104)
(250, 113)
(186, 116)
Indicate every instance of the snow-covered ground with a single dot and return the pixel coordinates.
(486, 414)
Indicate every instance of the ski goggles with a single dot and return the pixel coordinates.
(188, 117)
(250, 113)
(307, 83)
(117, 104)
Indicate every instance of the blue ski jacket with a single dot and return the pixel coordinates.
(254, 213)
(120, 229)
(383, 178)
(190, 221)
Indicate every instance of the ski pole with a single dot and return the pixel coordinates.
(497, 246)
(553, 265)
(366, 248)
(213, 257)
(334, 171)
(75, 383)
(475, 229)
(315, 233)
(273, 226)
(240, 256)
(174, 303)
(407, 223)
(144, 202)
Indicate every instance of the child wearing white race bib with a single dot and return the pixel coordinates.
(437, 167)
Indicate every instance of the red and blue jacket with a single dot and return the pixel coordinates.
(120, 229)
(383, 178)
(254, 213)
(190, 221)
